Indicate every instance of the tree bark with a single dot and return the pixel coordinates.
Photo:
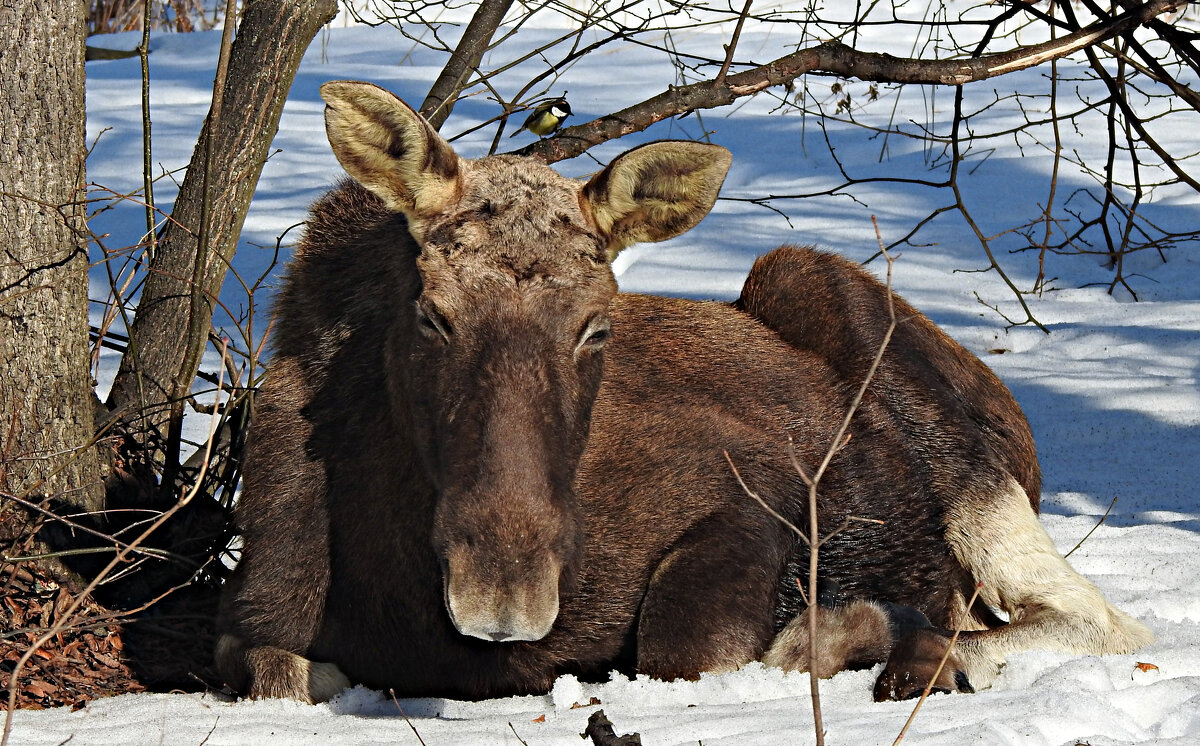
(163, 357)
(46, 400)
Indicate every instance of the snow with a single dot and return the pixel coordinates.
(1112, 396)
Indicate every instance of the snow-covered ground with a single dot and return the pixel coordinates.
(1112, 395)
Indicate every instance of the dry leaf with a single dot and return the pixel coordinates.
(1145, 667)
(63, 601)
(539, 719)
(40, 688)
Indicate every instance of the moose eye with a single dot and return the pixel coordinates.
(594, 335)
(432, 325)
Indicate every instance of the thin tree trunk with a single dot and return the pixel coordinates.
(46, 400)
(465, 60)
(163, 356)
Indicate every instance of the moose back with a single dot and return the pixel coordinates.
(476, 466)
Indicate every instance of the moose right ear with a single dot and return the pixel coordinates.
(389, 148)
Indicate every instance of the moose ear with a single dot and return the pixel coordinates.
(389, 148)
(655, 191)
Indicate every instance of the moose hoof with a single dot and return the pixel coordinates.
(913, 664)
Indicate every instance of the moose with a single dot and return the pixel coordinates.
(475, 466)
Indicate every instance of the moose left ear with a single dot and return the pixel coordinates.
(390, 149)
(655, 191)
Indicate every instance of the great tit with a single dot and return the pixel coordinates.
(546, 118)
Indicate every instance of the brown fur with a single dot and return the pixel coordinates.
(475, 466)
(950, 406)
(939, 394)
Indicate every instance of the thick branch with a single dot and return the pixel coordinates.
(835, 58)
(478, 34)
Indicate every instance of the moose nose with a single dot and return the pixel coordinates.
(499, 636)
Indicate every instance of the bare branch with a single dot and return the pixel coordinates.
(831, 57)
(732, 46)
(1088, 535)
(465, 59)
(404, 715)
(774, 513)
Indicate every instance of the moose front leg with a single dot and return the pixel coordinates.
(710, 603)
(273, 605)
(267, 672)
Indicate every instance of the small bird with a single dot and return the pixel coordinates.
(546, 118)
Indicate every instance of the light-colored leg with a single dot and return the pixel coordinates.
(856, 634)
(1004, 546)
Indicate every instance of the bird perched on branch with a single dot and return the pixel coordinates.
(546, 118)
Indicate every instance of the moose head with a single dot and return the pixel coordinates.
(498, 361)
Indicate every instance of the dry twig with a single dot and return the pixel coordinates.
(600, 730)
(813, 537)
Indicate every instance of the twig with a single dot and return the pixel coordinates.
(196, 319)
(74, 526)
(850, 520)
(1089, 533)
(814, 530)
(815, 540)
(404, 715)
(211, 730)
(774, 513)
(143, 51)
(961, 205)
(941, 664)
(518, 735)
(813, 536)
(158, 553)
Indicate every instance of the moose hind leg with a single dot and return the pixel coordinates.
(709, 606)
(1003, 545)
(850, 635)
(273, 673)
(858, 634)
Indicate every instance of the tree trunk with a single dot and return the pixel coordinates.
(170, 329)
(46, 400)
